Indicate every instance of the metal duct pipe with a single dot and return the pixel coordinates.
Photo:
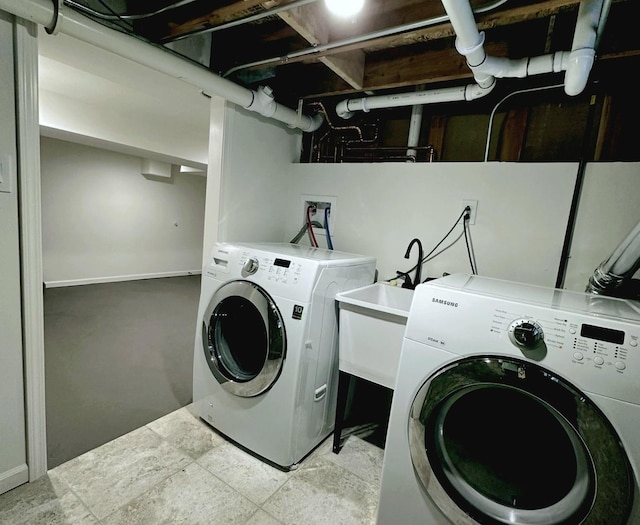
(73, 24)
(614, 272)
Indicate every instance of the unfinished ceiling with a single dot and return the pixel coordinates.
(302, 51)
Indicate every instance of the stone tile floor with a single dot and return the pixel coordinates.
(177, 470)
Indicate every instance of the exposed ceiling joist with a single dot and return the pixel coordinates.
(301, 51)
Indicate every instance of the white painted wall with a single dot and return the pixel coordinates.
(13, 467)
(609, 208)
(256, 161)
(522, 212)
(520, 224)
(518, 235)
(94, 97)
(104, 221)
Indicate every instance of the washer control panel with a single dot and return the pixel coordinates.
(598, 354)
(273, 269)
(250, 266)
(593, 341)
(601, 345)
(526, 333)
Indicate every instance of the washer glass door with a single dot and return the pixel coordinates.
(244, 339)
(500, 440)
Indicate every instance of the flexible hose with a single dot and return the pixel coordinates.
(312, 236)
(326, 228)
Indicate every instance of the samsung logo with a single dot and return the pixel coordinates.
(443, 302)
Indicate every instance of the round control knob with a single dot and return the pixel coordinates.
(526, 333)
(250, 266)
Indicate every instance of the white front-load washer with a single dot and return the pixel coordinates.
(265, 361)
(514, 404)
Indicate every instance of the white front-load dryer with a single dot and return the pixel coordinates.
(514, 404)
(265, 361)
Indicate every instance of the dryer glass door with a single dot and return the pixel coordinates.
(244, 340)
(499, 440)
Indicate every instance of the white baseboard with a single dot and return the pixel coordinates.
(14, 478)
(118, 278)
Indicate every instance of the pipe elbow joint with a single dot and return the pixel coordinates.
(315, 121)
(342, 110)
(476, 91)
(578, 69)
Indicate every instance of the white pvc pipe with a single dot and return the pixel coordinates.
(583, 48)
(499, 67)
(485, 69)
(415, 123)
(346, 108)
(157, 58)
(404, 28)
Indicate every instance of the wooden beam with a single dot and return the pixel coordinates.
(425, 68)
(216, 17)
(512, 136)
(315, 35)
(309, 23)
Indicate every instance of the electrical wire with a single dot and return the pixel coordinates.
(312, 236)
(426, 257)
(326, 228)
(123, 16)
(493, 112)
(445, 248)
(465, 225)
(118, 17)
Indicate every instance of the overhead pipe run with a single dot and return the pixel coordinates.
(486, 69)
(43, 12)
(337, 44)
(346, 108)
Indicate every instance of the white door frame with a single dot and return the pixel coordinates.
(30, 205)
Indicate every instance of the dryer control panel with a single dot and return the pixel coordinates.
(593, 342)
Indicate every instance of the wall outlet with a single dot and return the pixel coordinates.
(320, 203)
(473, 204)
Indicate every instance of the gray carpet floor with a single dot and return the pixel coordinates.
(117, 356)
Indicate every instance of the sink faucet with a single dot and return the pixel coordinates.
(416, 282)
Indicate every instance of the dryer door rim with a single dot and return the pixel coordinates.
(587, 426)
(274, 340)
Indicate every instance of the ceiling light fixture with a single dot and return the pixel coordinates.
(344, 8)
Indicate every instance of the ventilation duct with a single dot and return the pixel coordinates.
(54, 18)
(486, 69)
(614, 275)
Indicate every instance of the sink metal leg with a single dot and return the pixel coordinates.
(345, 383)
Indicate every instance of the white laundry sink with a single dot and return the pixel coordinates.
(370, 332)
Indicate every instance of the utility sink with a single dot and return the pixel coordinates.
(371, 328)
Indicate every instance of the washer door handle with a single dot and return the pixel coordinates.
(319, 393)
